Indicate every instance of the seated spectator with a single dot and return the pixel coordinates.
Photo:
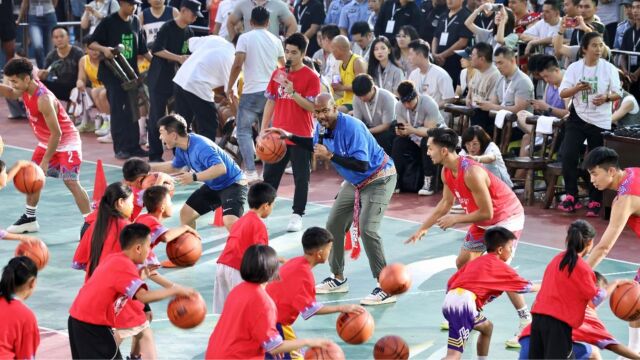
(626, 111)
(483, 84)
(95, 11)
(542, 32)
(477, 144)
(376, 108)
(490, 34)
(350, 66)
(61, 65)
(551, 104)
(362, 38)
(467, 73)
(415, 114)
(405, 35)
(88, 81)
(383, 67)
(429, 79)
(324, 57)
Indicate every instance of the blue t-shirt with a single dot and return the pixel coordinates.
(351, 138)
(202, 154)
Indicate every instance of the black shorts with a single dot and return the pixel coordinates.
(7, 31)
(90, 341)
(231, 199)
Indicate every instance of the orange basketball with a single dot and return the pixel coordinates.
(185, 250)
(29, 179)
(356, 327)
(152, 178)
(331, 352)
(36, 251)
(187, 312)
(270, 148)
(625, 301)
(391, 347)
(394, 279)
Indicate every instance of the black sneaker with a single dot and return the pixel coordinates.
(24, 225)
(123, 155)
(140, 153)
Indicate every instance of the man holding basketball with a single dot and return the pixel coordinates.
(59, 150)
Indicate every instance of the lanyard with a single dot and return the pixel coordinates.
(424, 78)
(447, 21)
(633, 40)
(375, 103)
(393, 11)
(414, 123)
(301, 14)
(486, 27)
(382, 76)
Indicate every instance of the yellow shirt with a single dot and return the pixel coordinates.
(347, 74)
(92, 72)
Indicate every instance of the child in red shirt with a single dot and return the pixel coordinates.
(247, 327)
(248, 230)
(19, 334)
(4, 179)
(93, 313)
(294, 293)
(478, 282)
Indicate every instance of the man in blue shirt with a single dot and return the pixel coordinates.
(224, 182)
(356, 10)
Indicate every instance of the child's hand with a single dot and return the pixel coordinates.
(191, 230)
(351, 308)
(183, 291)
(318, 343)
(282, 260)
(29, 239)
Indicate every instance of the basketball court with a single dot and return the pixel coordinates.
(416, 316)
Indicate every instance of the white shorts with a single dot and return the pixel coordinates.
(122, 334)
(226, 279)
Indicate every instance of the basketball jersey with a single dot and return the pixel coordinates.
(153, 24)
(503, 200)
(347, 74)
(630, 185)
(70, 139)
(91, 72)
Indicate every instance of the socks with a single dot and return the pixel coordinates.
(634, 339)
(30, 211)
(524, 314)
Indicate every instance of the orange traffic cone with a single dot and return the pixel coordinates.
(217, 218)
(99, 185)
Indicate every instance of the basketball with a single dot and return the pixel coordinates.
(151, 180)
(270, 148)
(356, 327)
(331, 352)
(36, 251)
(187, 312)
(185, 250)
(395, 279)
(625, 301)
(29, 179)
(391, 347)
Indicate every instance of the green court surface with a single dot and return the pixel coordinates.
(416, 316)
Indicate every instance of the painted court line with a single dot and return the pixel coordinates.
(45, 330)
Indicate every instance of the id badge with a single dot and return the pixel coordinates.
(633, 60)
(299, 28)
(280, 77)
(390, 25)
(444, 37)
(39, 10)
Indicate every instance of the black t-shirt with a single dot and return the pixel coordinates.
(65, 69)
(402, 15)
(431, 17)
(175, 40)
(577, 35)
(306, 15)
(453, 25)
(6, 11)
(631, 42)
(485, 21)
(112, 31)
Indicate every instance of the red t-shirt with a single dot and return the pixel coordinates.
(488, 277)
(111, 244)
(248, 230)
(137, 202)
(630, 185)
(19, 334)
(247, 326)
(287, 114)
(563, 296)
(295, 292)
(104, 295)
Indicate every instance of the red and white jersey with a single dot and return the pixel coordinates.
(505, 203)
(70, 140)
(630, 185)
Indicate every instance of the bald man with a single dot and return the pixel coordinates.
(351, 66)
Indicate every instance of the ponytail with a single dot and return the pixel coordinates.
(17, 272)
(578, 236)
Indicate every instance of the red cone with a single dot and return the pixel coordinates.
(99, 185)
(217, 218)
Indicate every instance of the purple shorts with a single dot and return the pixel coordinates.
(460, 310)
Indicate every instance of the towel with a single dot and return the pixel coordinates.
(500, 115)
(545, 125)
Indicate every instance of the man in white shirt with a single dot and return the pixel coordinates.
(224, 10)
(483, 84)
(279, 16)
(542, 32)
(429, 79)
(376, 108)
(362, 37)
(258, 53)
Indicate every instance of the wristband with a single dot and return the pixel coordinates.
(194, 176)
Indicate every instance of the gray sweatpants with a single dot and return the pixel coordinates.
(374, 199)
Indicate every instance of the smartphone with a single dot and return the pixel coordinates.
(496, 7)
(570, 22)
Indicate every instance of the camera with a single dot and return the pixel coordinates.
(496, 7)
(570, 22)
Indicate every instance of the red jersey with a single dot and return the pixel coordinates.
(295, 292)
(563, 296)
(111, 243)
(19, 333)
(504, 201)
(630, 185)
(248, 230)
(104, 295)
(488, 277)
(523, 22)
(247, 325)
(287, 114)
(137, 202)
(70, 139)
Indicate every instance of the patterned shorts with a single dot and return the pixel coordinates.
(460, 310)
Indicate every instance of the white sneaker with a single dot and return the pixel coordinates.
(24, 225)
(252, 176)
(378, 297)
(444, 325)
(105, 139)
(513, 343)
(105, 128)
(295, 223)
(428, 187)
(288, 170)
(457, 209)
(332, 285)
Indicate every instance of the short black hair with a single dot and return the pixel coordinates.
(260, 16)
(406, 88)
(298, 40)
(154, 196)
(174, 123)
(362, 84)
(259, 264)
(484, 51)
(134, 168)
(18, 67)
(420, 46)
(497, 236)
(505, 52)
(314, 238)
(330, 31)
(602, 157)
(261, 193)
(60, 27)
(444, 137)
(476, 131)
(555, 4)
(548, 62)
(133, 234)
(534, 63)
(586, 39)
(361, 28)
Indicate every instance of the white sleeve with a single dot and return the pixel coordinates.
(570, 78)
(534, 30)
(492, 148)
(463, 79)
(221, 10)
(615, 85)
(446, 86)
(242, 44)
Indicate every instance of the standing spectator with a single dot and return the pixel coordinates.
(542, 32)
(376, 108)
(333, 11)
(609, 14)
(7, 29)
(95, 11)
(350, 66)
(432, 11)
(592, 83)
(631, 42)
(374, 11)
(587, 22)
(429, 79)
(258, 54)
(524, 18)
(570, 9)
(383, 67)
(500, 33)
(451, 35)
(356, 10)
(394, 14)
(279, 16)
(170, 49)
(123, 28)
(222, 17)
(627, 23)
(41, 16)
(153, 17)
(405, 36)
(289, 107)
(61, 65)
(362, 38)
(309, 16)
(483, 84)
